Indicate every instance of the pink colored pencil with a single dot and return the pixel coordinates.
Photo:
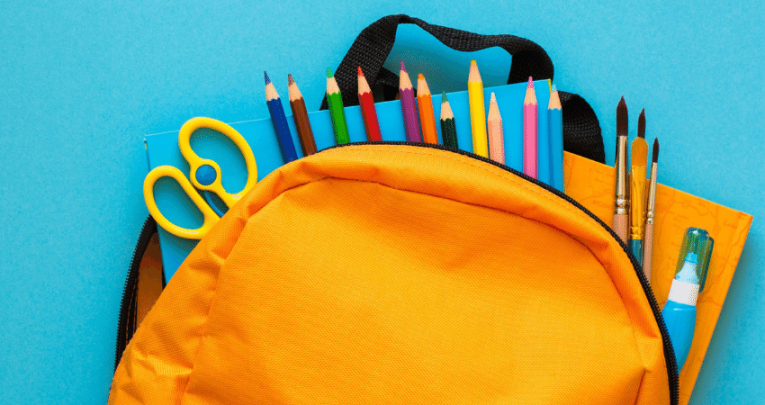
(409, 107)
(496, 138)
(530, 131)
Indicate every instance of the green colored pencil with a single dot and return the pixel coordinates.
(448, 129)
(336, 110)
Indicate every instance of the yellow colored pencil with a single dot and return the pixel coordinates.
(477, 111)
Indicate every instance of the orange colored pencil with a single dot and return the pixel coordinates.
(427, 116)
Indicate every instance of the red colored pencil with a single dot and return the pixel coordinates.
(368, 111)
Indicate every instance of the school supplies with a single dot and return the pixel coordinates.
(425, 106)
(336, 110)
(496, 139)
(162, 149)
(555, 126)
(300, 114)
(592, 185)
(408, 106)
(638, 162)
(279, 120)
(206, 176)
(477, 111)
(650, 213)
(621, 211)
(368, 110)
(448, 129)
(680, 310)
(530, 132)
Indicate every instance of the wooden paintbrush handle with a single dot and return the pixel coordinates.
(648, 251)
(620, 226)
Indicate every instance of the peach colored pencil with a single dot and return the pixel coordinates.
(496, 138)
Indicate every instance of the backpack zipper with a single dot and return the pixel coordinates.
(127, 315)
(669, 353)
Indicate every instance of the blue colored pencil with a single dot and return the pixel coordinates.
(279, 119)
(555, 127)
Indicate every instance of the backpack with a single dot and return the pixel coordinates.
(383, 273)
(402, 273)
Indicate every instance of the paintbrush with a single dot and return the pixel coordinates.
(621, 219)
(650, 213)
(638, 162)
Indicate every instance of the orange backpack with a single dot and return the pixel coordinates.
(402, 274)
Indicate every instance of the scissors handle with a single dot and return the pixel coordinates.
(210, 218)
(205, 174)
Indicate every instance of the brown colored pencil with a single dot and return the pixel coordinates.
(300, 114)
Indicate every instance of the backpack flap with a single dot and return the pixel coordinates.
(383, 274)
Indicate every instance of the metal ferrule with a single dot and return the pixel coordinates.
(651, 208)
(622, 203)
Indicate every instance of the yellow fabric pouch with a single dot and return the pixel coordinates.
(402, 274)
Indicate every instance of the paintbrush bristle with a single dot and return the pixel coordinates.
(621, 118)
(656, 150)
(641, 124)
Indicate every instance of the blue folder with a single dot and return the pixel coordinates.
(162, 149)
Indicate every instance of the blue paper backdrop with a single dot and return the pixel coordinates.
(83, 81)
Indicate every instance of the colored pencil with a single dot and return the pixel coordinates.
(279, 119)
(300, 114)
(427, 116)
(496, 139)
(530, 131)
(638, 161)
(621, 206)
(408, 106)
(477, 111)
(555, 127)
(650, 213)
(448, 128)
(368, 110)
(336, 110)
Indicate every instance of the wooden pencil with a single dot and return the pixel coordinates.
(336, 110)
(530, 131)
(448, 128)
(279, 120)
(477, 111)
(408, 106)
(555, 127)
(368, 110)
(300, 114)
(496, 139)
(427, 116)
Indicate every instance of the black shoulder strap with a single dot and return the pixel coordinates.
(373, 45)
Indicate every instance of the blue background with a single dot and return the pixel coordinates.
(82, 83)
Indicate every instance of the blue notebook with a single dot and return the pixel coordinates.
(162, 149)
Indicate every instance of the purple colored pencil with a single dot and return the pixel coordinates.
(409, 107)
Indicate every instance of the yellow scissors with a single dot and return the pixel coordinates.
(205, 175)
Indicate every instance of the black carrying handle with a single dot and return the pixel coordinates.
(581, 130)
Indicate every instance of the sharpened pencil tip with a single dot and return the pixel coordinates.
(554, 89)
(329, 73)
(420, 77)
(403, 68)
(531, 83)
(443, 97)
(493, 98)
(290, 80)
(268, 81)
(472, 62)
(656, 150)
(361, 73)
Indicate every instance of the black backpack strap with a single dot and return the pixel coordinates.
(373, 45)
